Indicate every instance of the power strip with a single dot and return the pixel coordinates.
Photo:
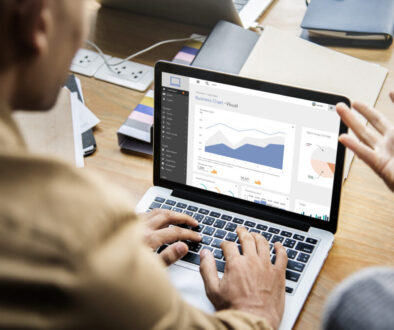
(129, 74)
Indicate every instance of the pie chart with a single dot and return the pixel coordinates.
(323, 161)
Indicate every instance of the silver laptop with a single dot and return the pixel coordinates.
(199, 12)
(231, 151)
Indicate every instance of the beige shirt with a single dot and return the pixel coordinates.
(71, 254)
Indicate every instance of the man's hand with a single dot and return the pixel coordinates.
(159, 232)
(376, 147)
(250, 282)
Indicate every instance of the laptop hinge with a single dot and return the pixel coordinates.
(241, 209)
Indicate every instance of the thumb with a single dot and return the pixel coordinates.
(173, 253)
(209, 273)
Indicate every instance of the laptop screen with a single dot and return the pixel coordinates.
(265, 148)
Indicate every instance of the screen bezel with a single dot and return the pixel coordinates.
(229, 79)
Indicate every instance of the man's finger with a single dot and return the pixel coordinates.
(262, 246)
(392, 96)
(174, 233)
(209, 273)
(173, 253)
(247, 241)
(364, 133)
(230, 250)
(281, 257)
(374, 117)
(364, 153)
(163, 218)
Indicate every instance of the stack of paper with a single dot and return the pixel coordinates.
(58, 132)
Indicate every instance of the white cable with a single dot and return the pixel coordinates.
(110, 65)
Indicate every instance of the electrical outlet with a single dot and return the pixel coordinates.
(87, 62)
(128, 74)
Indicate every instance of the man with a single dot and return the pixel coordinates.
(72, 253)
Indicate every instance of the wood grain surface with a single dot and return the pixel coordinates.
(365, 233)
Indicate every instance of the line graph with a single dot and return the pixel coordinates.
(251, 144)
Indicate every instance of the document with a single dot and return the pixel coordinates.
(282, 58)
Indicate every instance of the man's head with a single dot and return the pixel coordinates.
(38, 40)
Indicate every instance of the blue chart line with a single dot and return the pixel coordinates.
(271, 155)
(263, 148)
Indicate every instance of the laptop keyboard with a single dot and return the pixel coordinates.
(215, 227)
(240, 4)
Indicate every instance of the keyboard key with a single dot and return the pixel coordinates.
(155, 205)
(214, 214)
(277, 238)
(161, 248)
(238, 221)
(181, 205)
(208, 231)
(194, 246)
(286, 233)
(208, 221)
(291, 254)
(216, 243)
(299, 237)
(267, 236)
(219, 223)
(226, 217)
(203, 211)
(292, 276)
(289, 290)
(220, 266)
(206, 240)
(240, 249)
(220, 233)
(218, 254)
(274, 230)
(289, 243)
(231, 237)
(252, 230)
(294, 265)
(210, 248)
(192, 208)
(198, 217)
(249, 224)
(271, 247)
(198, 229)
(304, 247)
(303, 257)
(231, 226)
(190, 214)
(159, 199)
(177, 209)
(262, 227)
(170, 202)
(166, 207)
(273, 259)
(311, 240)
(194, 258)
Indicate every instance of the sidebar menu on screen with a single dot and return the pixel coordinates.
(174, 123)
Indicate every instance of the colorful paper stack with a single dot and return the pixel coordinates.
(136, 132)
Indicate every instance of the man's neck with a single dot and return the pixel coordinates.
(7, 87)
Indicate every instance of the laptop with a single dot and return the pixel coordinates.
(200, 12)
(232, 151)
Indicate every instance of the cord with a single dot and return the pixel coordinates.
(110, 65)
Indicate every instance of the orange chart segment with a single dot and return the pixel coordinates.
(325, 170)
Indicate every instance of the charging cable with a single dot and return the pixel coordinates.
(110, 65)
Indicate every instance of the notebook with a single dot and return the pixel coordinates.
(352, 22)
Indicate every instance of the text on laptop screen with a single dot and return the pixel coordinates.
(266, 148)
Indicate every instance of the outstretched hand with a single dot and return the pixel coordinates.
(159, 232)
(376, 147)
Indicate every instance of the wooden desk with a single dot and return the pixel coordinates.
(365, 235)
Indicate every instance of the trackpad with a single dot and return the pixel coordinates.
(191, 286)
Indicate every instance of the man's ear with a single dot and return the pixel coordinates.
(33, 24)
